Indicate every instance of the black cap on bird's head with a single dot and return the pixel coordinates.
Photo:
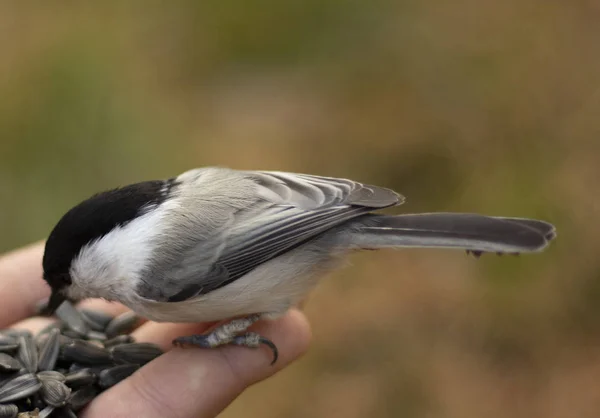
(89, 221)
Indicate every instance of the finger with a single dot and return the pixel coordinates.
(199, 383)
(163, 334)
(21, 283)
(34, 324)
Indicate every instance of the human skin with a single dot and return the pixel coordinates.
(183, 382)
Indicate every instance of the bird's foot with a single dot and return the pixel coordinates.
(230, 333)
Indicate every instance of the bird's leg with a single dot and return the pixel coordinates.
(230, 333)
(254, 340)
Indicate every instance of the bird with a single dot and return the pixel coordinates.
(219, 244)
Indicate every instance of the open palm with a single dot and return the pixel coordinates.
(182, 382)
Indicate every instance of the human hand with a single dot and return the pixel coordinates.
(184, 383)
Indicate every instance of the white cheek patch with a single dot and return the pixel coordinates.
(112, 265)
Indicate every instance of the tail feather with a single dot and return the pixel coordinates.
(472, 232)
(543, 227)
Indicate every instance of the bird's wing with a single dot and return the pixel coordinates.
(289, 210)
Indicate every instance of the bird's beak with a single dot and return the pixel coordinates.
(56, 299)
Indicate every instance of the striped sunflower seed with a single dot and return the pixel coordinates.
(80, 398)
(20, 387)
(80, 378)
(73, 318)
(27, 353)
(96, 320)
(5, 377)
(41, 336)
(55, 393)
(135, 353)
(49, 351)
(114, 375)
(16, 333)
(9, 348)
(7, 339)
(122, 324)
(9, 364)
(118, 340)
(51, 375)
(80, 351)
(9, 411)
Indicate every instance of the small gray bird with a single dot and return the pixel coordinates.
(215, 244)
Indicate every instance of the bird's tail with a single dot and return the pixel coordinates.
(471, 232)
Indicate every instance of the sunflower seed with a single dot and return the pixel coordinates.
(73, 318)
(27, 353)
(114, 375)
(7, 339)
(40, 340)
(82, 397)
(93, 325)
(83, 352)
(9, 348)
(46, 412)
(51, 375)
(44, 331)
(9, 411)
(55, 393)
(75, 357)
(97, 320)
(19, 387)
(5, 377)
(80, 378)
(16, 333)
(122, 324)
(49, 351)
(135, 353)
(119, 339)
(9, 364)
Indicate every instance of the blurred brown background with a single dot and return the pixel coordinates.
(467, 105)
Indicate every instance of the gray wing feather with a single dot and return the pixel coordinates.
(285, 211)
(313, 192)
(268, 244)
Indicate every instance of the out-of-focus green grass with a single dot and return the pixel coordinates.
(465, 106)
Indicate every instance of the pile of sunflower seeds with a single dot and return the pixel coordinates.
(58, 371)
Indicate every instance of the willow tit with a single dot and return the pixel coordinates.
(215, 244)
